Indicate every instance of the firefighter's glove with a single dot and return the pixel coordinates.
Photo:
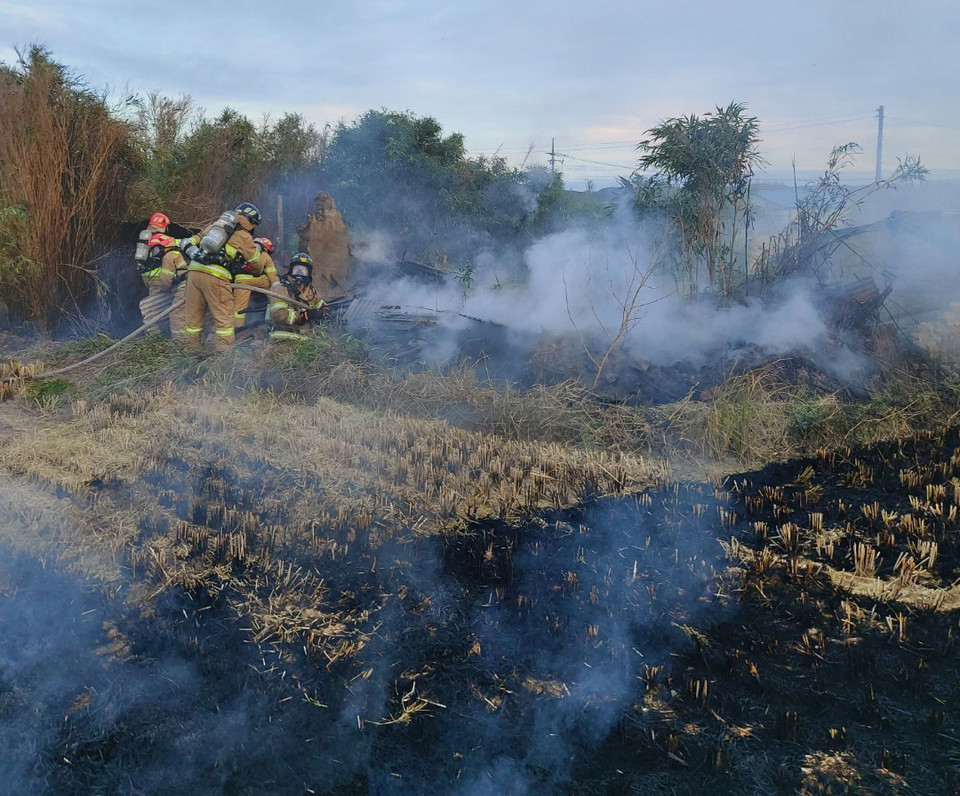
(315, 316)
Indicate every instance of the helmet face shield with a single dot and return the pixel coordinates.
(300, 273)
(301, 269)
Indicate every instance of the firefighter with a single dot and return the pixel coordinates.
(158, 223)
(241, 298)
(165, 274)
(210, 272)
(288, 322)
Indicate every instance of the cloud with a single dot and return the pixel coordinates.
(14, 13)
(584, 75)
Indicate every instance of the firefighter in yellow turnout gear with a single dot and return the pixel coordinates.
(165, 271)
(241, 298)
(213, 265)
(158, 223)
(288, 322)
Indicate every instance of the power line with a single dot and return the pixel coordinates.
(837, 117)
(816, 124)
(597, 162)
(605, 145)
(923, 124)
(814, 121)
(817, 121)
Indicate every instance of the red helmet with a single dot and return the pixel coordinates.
(159, 220)
(265, 243)
(159, 239)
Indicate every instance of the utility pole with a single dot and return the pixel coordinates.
(553, 155)
(280, 247)
(879, 141)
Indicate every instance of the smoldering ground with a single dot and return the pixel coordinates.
(573, 612)
(93, 699)
(499, 658)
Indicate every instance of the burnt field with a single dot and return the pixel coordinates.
(191, 605)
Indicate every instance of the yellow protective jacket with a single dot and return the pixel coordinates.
(267, 272)
(241, 298)
(286, 321)
(239, 249)
(173, 268)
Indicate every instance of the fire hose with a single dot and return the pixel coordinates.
(146, 325)
(266, 292)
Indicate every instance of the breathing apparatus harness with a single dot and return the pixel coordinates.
(155, 257)
(302, 264)
(214, 248)
(292, 284)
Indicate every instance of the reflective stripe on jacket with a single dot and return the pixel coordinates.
(214, 270)
(289, 319)
(171, 266)
(238, 248)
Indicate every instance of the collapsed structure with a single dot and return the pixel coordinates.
(324, 237)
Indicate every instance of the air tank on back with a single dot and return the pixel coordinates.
(219, 233)
(143, 248)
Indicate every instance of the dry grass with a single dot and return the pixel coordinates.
(64, 165)
(756, 418)
(747, 418)
(350, 469)
(940, 338)
(747, 421)
(564, 413)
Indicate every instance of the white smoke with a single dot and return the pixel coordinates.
(599, 283)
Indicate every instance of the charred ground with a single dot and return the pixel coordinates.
(245, 594)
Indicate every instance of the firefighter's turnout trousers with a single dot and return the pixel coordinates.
(168, 278)
(178, 318)
(207, 287)
(288, 322)
(241, 298)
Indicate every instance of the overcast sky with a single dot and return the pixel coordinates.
(512, 76)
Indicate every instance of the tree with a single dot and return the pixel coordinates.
(292, 146)
(810, 240)
(706, 163)
(162, 125)
(222, 162)
(399, 173)
(389, 169)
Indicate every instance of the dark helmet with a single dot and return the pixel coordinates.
(301, 268)
(249, 212)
